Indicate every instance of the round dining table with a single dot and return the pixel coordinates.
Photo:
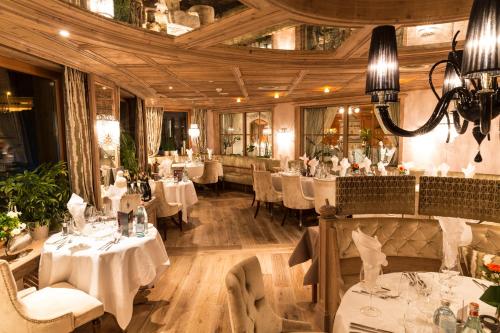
(193, 169)
(397, 314)
(182, 192)
(306, 182)
(113, 275)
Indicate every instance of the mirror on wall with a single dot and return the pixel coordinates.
(107, 131)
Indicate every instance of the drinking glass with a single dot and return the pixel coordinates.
(448, 278)
(91, 215)
(368, 277)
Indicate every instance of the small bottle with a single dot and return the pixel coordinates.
(65, 228)
(141, 224)
(473, 325)
(444, 319)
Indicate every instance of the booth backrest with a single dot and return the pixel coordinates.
(243, 164)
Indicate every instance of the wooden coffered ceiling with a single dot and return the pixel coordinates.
(196, 69)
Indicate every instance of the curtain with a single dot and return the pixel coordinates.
(78, 134)
(200, 118)
(313, 129)
(154, 123)
(140, 135)
(330, 114)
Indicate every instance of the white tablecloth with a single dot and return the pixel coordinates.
(183, 192)
(113, 276)
(306, 182)
(393, 310)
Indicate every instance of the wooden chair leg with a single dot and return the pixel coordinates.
(253, 201)
(96, 325)
(179, 215)
(300, 219)
(285, 216)
(217, 188)
(271, 209)
(315, 293)
(257, 210)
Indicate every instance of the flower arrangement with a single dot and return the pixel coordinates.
(402, 170)
(355, 167)
(10, 225)
(491, 272)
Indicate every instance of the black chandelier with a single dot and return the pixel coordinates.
(470, 77)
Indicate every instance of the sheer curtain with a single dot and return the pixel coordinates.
(140, 137)
(313, 129)
(78, 134)
(154, 123)
(200, 118)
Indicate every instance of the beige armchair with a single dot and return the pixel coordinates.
(58, 308)
(323, 189)
(485, 240)
(210, 175)
(293, 197)
(255, 167)
(249, 310)
(264, 190)
(166, 209)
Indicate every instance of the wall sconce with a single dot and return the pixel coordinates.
(284, 135)
(108, 132)
(341, 110)
(194, 131)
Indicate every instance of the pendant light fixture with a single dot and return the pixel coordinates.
(470, 77)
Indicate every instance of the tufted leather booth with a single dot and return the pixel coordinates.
(238, 169)
(410, 245)
(485, 238)
(249, 310)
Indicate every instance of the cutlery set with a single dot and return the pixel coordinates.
(382, 296)
(415, 279)
(480, 285)
(356, 328)
(108, 245)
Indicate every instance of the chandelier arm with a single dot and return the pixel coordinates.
(439, 112)
(461, 129)
(485, 113)
(432, 71)
(449, 127)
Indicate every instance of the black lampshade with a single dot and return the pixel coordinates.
(481, 52)
(451, 78)
(383, 65)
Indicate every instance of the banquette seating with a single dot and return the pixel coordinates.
(238, 169)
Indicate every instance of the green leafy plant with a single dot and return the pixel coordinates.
(122, 10)
(10, 225)
(169, 145)
(40, 195)
(250, 148)
(127, 153)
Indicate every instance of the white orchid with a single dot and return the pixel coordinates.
(13, 214)
(488, 259)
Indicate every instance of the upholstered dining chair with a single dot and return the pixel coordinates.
(58, 308)
(166, 209)
(255, 167)
(485, 241)
(323, 189)
(210, 175)
(264, 191)
(249, 310)
(409, 244)
(293, 197)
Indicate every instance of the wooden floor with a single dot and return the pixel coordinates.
(191, 296)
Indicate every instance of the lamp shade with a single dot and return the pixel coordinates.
(383, 65)
(481, 52)
(451, 78)
(194, 131)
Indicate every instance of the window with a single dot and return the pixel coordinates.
(247, 133)
(174, 135)
(28, 122)
(348, 131)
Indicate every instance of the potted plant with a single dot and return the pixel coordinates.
(40, 195)
(127, 153)
(10, 226)
(491, 272)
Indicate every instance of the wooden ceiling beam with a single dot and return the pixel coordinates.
(300, 76)
(239, 80)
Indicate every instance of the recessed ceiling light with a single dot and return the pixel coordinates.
(64, 33)
(8, 93)
(170, 87)
(218, 90)
(238, 100)
(276, 95)
(210, 81)
(326, 90)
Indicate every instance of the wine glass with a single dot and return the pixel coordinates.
(448, 278)
(91, 215)
(368, 277)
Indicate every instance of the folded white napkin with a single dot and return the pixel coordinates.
(165, 168)
(120, 181)
(76, 207)
(283, 162)
(370, 251)
(313, 164)
(470, 171)
(304, 159)
(431, 171)
(408, 166)
(209, 152)
(366, 164)
(335, 160)
(176, 156)
(456, 233)
(189, 153)
(344, 165)
(381, 168)
(115, 194)
(444, 168)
